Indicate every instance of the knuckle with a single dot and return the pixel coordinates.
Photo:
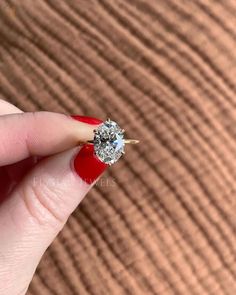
(44, 202)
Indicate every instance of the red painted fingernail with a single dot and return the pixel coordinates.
(86, 163)
(89, 120)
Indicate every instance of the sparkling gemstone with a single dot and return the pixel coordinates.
(109, 142)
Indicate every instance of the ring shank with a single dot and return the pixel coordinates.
(128, 141)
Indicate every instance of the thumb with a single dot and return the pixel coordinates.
(39, 206)
(37, 210)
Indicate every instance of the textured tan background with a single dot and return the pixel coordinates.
(162, 221)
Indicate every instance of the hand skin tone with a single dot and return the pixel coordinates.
(39, 187)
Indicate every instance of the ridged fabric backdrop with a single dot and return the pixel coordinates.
(163, 219)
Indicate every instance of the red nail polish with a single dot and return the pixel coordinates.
(89, 120)
(86, 163)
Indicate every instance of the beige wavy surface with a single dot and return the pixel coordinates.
(162, 220)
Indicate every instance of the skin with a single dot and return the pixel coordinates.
(37, 194)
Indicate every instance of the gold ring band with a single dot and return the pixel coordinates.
(128, 141)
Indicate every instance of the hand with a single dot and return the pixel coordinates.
(43, 177)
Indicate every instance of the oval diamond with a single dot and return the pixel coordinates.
(109, 142)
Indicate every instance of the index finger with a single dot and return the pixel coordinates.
(40, 134)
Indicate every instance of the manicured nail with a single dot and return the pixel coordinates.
(86, 163)
(89, 120)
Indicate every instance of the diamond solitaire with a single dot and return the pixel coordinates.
(109, 142)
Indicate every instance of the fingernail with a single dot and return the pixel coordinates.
(86, 163)
(89, 120)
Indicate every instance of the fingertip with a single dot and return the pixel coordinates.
(39, 134)
(87, 165)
